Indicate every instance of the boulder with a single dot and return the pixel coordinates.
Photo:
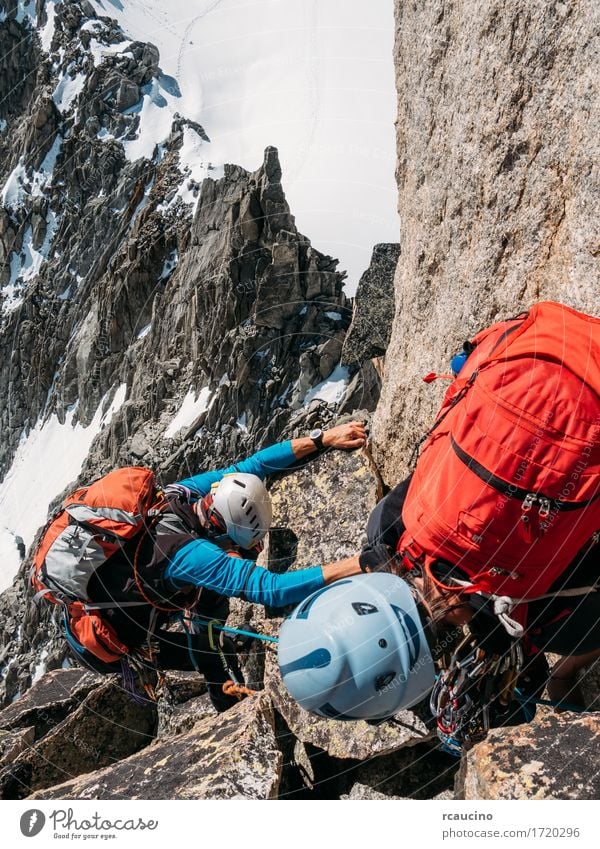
(323, 507)
(107, 726)
(12, 743)
(554, 757)
(47, 703)
(178, 718)
(359, 792)
(233, 755)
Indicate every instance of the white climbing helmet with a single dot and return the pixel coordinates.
(243, 506)
(356, 649)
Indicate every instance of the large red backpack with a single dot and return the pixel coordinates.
(94, 524)
(507, 486)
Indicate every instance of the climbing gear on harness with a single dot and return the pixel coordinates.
(356, 649)
(241, 506)
(475, 685)
(227, 629)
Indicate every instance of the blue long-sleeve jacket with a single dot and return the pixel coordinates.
(203, 563)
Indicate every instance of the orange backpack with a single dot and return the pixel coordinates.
(94, 524)
(507, 486)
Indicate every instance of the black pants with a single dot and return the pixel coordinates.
(215, 662)
(214, 659)
(565, 626)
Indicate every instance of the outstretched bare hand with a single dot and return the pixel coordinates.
(345, 436)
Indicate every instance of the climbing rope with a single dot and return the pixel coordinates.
(231, 688)
(214, 623)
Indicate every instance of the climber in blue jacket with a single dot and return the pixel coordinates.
(234, 507)
(202, 551)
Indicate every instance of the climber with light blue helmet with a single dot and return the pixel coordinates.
(357, 649)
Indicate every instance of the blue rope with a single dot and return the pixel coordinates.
(239, 631)
(128, 679)
(189, 644)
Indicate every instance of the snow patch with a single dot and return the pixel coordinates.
(10, 559)
(47, 32)
(155, 123)
(40, 668)
(14, 189)
(330, 390)
(141, 204)
(48, 458)
(144, 331)
(3, 124)
(49, 161)
(333, 315)
(190, 409)
(194, 165)
(19, 183)
(32, 258)
(98, 49)
(104, 135)
(169, 265)
(26, 9)
(67, 90)
(24, 265)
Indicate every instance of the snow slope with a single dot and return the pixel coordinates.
(312, 77)
(48, 459)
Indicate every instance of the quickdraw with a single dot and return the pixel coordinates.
(465, 694)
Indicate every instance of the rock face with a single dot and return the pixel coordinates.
(498, 142)
(232, 757)
(106, 726)
(555, 757)
(331, 498)
(374, 309)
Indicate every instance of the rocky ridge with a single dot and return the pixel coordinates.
(136, 290)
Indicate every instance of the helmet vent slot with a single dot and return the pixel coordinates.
(363, 608)
(384, 680)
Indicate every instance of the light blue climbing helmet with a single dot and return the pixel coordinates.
(356, 649)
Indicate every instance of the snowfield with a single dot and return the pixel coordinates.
(48, 459)
(314, 78)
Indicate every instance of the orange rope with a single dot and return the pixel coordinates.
(237, 690)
